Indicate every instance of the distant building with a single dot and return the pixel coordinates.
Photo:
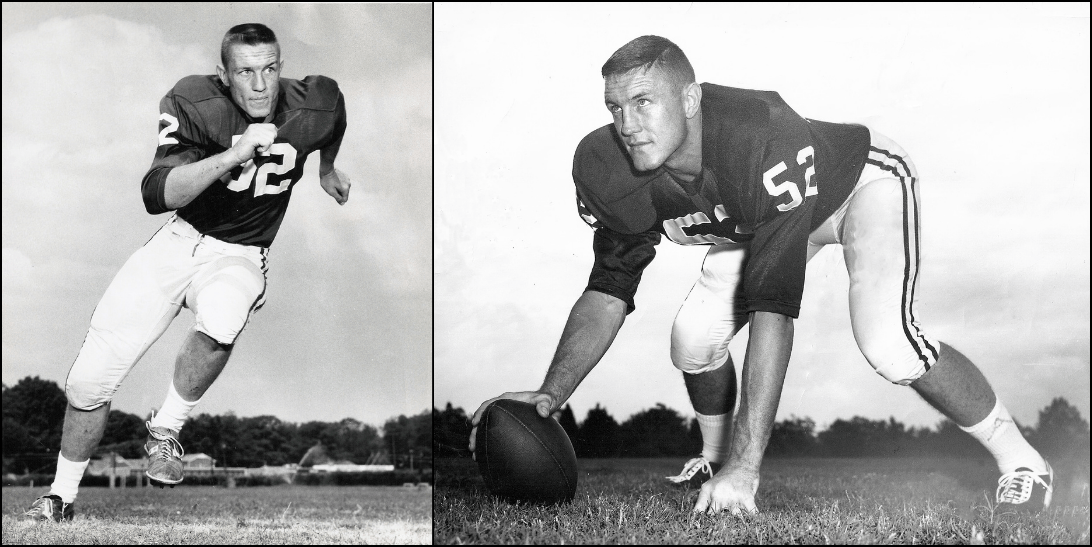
(113, 463)
(198, 461)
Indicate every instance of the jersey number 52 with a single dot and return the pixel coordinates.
(282, 159)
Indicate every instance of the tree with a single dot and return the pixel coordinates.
(38, 406)
(451, 433)
(654, 433)
(1062, 432)
(568, 422)
(598, 436)
(793, 438)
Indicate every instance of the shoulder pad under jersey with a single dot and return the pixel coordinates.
(312, 93)
(615, 194)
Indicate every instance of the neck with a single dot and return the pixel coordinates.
(685, 163)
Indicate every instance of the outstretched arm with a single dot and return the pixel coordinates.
(733, 487)
(592, 325)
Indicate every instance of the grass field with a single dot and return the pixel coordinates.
(802, 501)
(199, 515)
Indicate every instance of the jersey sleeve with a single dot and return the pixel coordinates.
(782, 199)
(181, 141)
(620, 259)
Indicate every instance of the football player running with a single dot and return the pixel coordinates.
(231, 147)
(739, 170)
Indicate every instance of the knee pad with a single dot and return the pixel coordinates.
(702, 330)
(85, 389)
(224, 296)
(896, 359)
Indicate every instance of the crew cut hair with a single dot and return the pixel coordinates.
(251, 34)
(647, 52)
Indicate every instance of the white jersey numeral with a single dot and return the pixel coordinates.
(795, 199)
(172, 124)
(251, 173)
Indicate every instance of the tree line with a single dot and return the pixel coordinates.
(33, 413)
(662, 432)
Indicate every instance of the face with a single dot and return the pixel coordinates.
(649, 115)
(253, 75)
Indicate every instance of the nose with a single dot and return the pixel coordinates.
(259, 82)
(629, 126)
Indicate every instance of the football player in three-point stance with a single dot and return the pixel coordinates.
(739, 170)
(231, 147)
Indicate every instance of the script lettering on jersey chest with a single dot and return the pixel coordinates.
(698, 229)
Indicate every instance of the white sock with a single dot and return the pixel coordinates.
(67, 481)
(999, 434)
(174, 411)
(716, 436)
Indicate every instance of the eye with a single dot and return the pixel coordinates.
(614, 109)
(270, 69)
(643, 102)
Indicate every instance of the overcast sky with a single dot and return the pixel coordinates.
(346, 330)
(990, 101)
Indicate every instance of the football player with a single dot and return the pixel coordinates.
(740, 171)
(231, 147)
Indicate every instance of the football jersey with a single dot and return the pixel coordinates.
(769, 177)
(198, 119)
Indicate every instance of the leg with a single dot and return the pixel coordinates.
(199, 363)
(704, 326)
(133, 313)
(880, 238)
(956, 388)
(82, 432)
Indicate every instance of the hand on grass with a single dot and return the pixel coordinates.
(544, 403)
(732, 489)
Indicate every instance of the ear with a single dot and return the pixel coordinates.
(223, 75)
(692, 99)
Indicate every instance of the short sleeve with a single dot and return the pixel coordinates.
(620, 259)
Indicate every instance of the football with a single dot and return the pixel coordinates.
(523, 456)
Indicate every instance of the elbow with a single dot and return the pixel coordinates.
(152, 191)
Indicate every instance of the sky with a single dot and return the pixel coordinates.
(991, 101)
(346, 330)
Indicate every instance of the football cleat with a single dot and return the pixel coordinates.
(164, 456)
(50, 507)
(1025, 490)
(695, 472)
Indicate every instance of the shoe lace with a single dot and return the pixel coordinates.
(1016, 487)
(691, 468)
(167, 446)
(41, 506)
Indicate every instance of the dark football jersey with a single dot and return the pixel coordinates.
(769, 177)
(198, 119)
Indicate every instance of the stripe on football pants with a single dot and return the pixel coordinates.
(897, 166)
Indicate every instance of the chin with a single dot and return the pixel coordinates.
(645, 164)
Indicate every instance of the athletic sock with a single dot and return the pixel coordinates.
(999, 434)
(67, 481)
(716, 434)
(174, 411)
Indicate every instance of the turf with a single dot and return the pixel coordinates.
(801, 501)
(211, 515)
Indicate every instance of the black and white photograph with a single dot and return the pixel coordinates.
(188, 357)
(761, 273)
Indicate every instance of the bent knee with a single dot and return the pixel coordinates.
(897, 363)
(87, 393)
(701, 332)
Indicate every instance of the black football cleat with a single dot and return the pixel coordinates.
(1025, 490)
(50, 507)
(695, 472)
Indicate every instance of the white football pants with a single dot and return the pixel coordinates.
(222, 283)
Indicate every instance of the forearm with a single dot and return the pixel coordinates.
(593, 323)
(327, 156)
(764, 368)
(185, 182)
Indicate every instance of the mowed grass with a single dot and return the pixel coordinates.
(210, 515)
(850, 501)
